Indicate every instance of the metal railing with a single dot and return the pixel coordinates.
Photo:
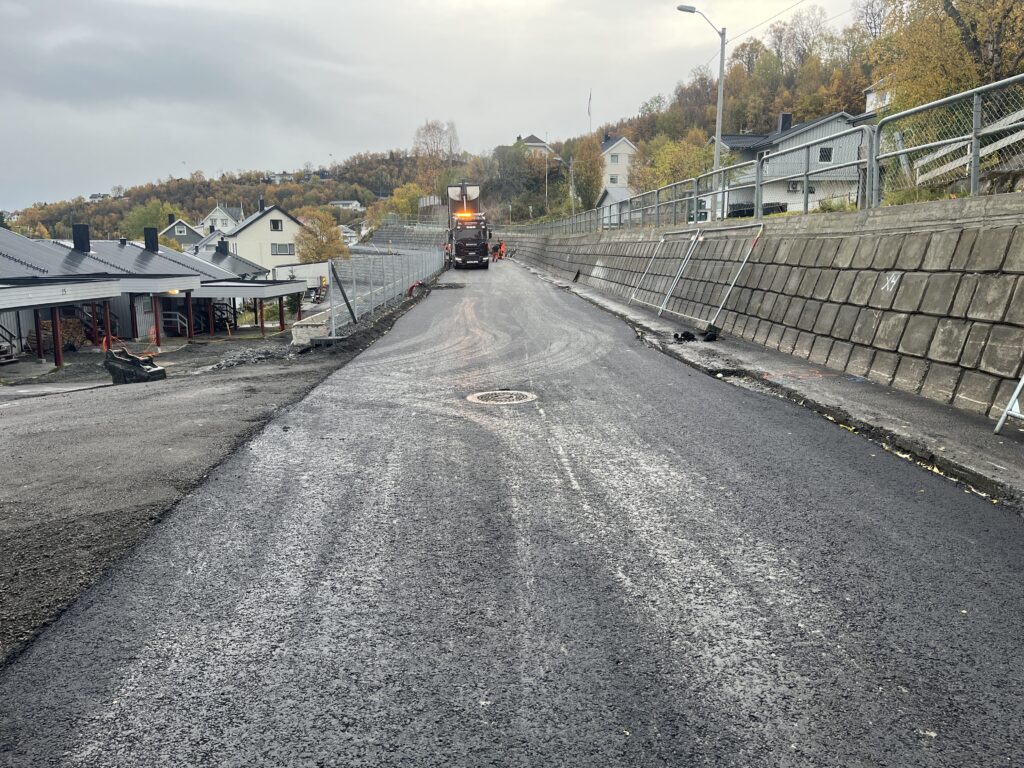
(368, 283)
(943, 148)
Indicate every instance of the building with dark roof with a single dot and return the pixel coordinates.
(783, 181)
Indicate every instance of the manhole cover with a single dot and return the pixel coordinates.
(501, 397)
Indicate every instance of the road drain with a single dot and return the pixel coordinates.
(501, 397)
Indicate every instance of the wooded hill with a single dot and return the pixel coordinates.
(913, 50)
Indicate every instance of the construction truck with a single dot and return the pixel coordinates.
(468, 235)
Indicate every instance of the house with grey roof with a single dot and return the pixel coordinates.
(537, 145)
(181, 232)
(780, 193)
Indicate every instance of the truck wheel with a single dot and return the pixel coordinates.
(487, 265)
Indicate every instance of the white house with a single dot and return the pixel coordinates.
(617, 154)
(223, 217)
(267, 237)
(348, 205)
(348, 235)
(537, 146)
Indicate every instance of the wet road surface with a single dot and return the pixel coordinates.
(642, 567)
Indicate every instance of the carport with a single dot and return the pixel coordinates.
(38, 293)
(259, 291)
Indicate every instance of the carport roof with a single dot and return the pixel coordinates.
(249, 289)
(29, 292)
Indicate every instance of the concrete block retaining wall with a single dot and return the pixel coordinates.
(928, 298)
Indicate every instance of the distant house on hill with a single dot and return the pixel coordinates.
(223, 217)
(348, 205)
(617, 153)
(536, 145)
(348, 235)
(183, 233)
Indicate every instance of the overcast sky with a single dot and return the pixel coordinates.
(103, 92)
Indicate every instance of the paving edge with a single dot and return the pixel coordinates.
(723, 368)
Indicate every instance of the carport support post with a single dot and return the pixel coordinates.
(210, 317)
(298, 317)
(58, 342)
(39, 334)
(95, 326)
(106, 323)
(156, 318)
(234, 313)
(263, 331)
(280, 313)
(189, 317)
(131, 311)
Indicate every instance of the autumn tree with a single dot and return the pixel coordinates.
(152, 213)
(319, 239)
(588, 169)
(435, 146)
(920, 53)
(662, 161)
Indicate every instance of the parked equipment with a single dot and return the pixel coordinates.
(126, 368)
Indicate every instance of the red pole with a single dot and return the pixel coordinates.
(299, 316)
(106, 323)
(95, 326)
(262, 329)
(156, 317)
(188, 315)
(135, 320)
(58, 342)
(39, 333)
(209, 308)
(280, 313)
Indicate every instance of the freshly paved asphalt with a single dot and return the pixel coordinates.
(643, 567)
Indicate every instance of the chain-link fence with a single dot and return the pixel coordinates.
(365, 285)
(968, 144)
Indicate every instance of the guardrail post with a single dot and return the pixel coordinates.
(976, 147)
(758, 190)
(807, 178)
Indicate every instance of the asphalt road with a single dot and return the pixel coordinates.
(642, 567)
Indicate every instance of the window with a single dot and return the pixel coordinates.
(224, 223)
(282, 249)
(615, 159)
(276, 225)
(180, 229)
(825, 155)
(613, 179)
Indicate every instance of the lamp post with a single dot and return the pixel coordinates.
(721, 93)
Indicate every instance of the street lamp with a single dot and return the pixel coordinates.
(721, 88)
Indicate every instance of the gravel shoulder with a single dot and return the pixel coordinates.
(85, 475)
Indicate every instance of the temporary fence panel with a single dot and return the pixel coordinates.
(709, 274)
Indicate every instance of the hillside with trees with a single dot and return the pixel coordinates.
(915, 50)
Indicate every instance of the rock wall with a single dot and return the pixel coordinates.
(928, 298)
